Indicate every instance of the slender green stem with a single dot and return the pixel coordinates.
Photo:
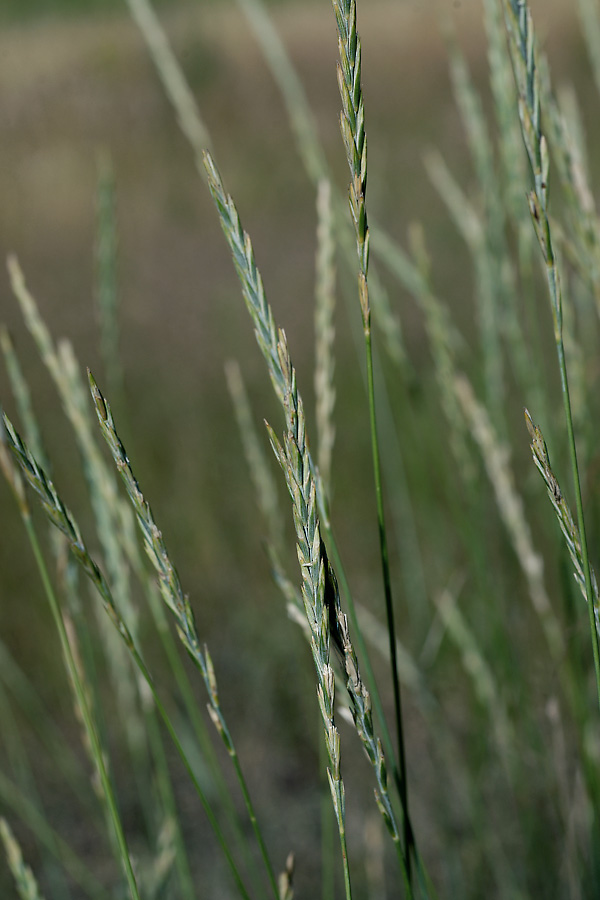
(254, 822)
(199, 728)
(522, 46)
(352, 121)
(327, 832)
(389, 608)
(85, 711)
(165, 790)
(197, 786)
(580, 519)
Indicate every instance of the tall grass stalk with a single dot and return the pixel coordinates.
(283, 378)
(352, 120)
(312, 156)
(522, 46)
(318, 588)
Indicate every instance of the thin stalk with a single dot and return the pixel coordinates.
(327, 833)
(579, 507)
(183, 756)
(85, 710)
(320, 594)
(165, 790)
(352, 122)
(389, 607)
(521, 36)
(195, 719)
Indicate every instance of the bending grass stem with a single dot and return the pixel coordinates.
(579, 506)
(409, 841)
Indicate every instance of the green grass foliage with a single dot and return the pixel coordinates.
(435, 677)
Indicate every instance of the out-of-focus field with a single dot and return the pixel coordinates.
(72, 88)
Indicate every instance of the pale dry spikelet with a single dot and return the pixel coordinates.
(521, 39)
(24, 878)
(286, 879)
(325, 334)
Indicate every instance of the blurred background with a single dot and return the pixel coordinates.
(77, 86)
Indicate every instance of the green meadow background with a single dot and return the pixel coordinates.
(76, 85)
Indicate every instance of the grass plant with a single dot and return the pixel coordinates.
(479, 661)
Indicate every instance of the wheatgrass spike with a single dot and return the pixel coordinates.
(110, 514)
(313, 157)
(180, 95)
(375, 632)
(352, 121)
(581, 238)
(275, 354)
(316, 582)
(327, 622)
(565, 519)
(177, 602)
(521, 39)
(521, 331)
